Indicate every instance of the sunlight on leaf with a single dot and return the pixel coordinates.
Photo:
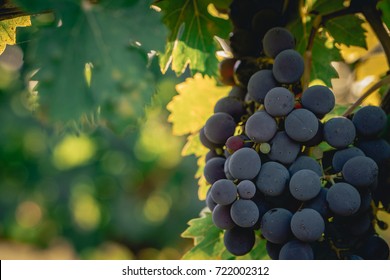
(8, 30)
(194, 104)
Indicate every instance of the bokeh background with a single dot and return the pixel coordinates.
(81, 191)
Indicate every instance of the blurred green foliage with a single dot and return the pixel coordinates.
(90, 187)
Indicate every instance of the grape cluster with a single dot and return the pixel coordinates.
(270, 178)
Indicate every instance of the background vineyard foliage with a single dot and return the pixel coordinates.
(84, 171)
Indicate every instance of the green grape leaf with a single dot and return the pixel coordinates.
(323, 53)
(8, 30)
(191, 39)
(208, 239)
(347, 30)
(384, 6)
(194, 104)
(97, 60)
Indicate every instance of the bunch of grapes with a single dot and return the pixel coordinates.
(269, 176)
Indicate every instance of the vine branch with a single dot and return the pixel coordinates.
(376, 86)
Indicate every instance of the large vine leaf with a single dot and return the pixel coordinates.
(8, 30)
(194, 104)
(191, 39)
(97, 60)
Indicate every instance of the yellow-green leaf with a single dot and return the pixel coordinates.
(8, 30)
(194, 104)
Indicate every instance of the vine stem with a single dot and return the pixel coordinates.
(373, 88)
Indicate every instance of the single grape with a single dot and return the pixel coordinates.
(277, 39)
(305, 184)
(224, 192)
(318, 99)
(307, 225)
(288, 67)
(305, 162)
(239, 241)
(339, 132)
(260, 84)
(283, 148)
(342, 156)
(234, 143)
(231, 106)
(261, 127)
(214, 170)
(219, 127)
(360, 171)
(244, 164)
(279, 101)
(296, 250)
(221, 217)
(369, 121)
(343, 199)
(244, 213)
(301, 125)
(275, 225)
(246, 189)
(272, 179)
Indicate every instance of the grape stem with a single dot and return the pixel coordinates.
(373, 88)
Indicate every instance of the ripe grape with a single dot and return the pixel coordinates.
(288, 67)
(261, 127)
(231, 106)
(318, 99)
(275, 225)
(246, 189)
(301, 125)
(343, 199)
(219, 127)
(305, 184)
(360, 171)
(342, 156)
(224, 192)
(369, 121)
(307, 225)
(239, 241)
(214, 170)
(279, 101)
(339, 132)
(244, 164)
(272, 179)
(277, 39)
(244, 213)
(221, 217)
(305, 162)
(283, 148)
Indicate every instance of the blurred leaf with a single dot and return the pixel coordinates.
(106, 39)
(8, 30)
(191, 38)
(194, 104)
(208, 239)
(347, 30)
(384, 6)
